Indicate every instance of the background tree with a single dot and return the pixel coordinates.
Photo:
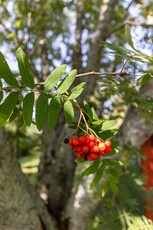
(57, 32)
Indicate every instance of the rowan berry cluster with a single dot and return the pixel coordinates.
(90, 147)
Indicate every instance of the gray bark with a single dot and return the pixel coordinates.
(17, 209)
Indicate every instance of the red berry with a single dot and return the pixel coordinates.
(101, 152)
(85, 148)
(75, 141)
(86, 140)
(70, 142)
(91, 144)
(81, 139)
(80, 155)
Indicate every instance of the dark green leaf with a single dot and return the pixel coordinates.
(68, 112)
(28, 103)
(80, 160)
(1, 95)
(88, 109)
(108, 133)
(67, 82)
(144, 79)
(54, 77)
(92, 168)
(76, 91)
(108, 124)
(94, 114)
(53, 112)
(6, 73)
(128, 35)
(120, 49)
(98, 175)
(7, 107)
(41, 111)
(14, 114)
(24, 67)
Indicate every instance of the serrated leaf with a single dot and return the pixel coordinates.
(108, 124)
(41, 111)
(25, 69)
(76, 91)
(7, 107)
(54, 77)
(53, 112)
(128, 36)
(92, 168)
(68, 112)
(28, 103)
(67, 82)
(98, 176)
(6, 73)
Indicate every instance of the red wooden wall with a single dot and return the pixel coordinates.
(147, 167)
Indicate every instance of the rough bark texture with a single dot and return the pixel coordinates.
(17, 209)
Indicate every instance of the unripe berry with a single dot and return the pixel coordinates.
(108, 143)
(102, 146)
(96, 149)
(91, 137)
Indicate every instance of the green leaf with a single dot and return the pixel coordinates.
(53, 112)
(25, 70)
(120, 49)
(41, 111)
(7, 107)
(54, 77)
(28, 103)
(98, 176)
(108, 133)
(67, 82)
(1, 95)
(94, 114)
(87, 109)
(76, 91)
(6, 73)
(68, 112)
(14, 114)
(144, 79)
(92, 168)
(108, 124)
(128, 36)
(80, 160)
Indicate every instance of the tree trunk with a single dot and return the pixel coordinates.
(57, 167)
(17, 208)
